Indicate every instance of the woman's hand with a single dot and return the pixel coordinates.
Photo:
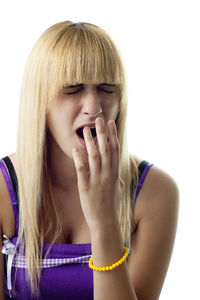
(100, 189)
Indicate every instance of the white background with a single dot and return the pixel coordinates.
(160, 44)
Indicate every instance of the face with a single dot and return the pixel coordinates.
(76, 106)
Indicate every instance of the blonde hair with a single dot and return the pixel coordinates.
(67, 53)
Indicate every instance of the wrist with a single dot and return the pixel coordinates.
(106, 232)
(103, 224)
(107, 245)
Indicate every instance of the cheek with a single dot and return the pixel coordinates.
(111, 110)
(56, 124)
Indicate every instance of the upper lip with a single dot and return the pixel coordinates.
(87, 124)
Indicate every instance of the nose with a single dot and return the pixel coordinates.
(91, 102)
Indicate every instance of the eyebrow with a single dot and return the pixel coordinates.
(73, 86)
(108, 84)
(81, 84)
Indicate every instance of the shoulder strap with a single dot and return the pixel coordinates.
(13, 176)
(11, 181)
(143, 169)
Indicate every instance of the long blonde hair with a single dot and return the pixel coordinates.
(67, 53)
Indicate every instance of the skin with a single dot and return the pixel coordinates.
(74, 107)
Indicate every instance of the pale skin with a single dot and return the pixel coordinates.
(155, 214)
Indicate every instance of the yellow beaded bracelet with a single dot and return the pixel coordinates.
(109, 268)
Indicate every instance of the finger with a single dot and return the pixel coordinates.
(93, 153)
(82, 175)
(114, 148)
(104, 148)
(122, 184)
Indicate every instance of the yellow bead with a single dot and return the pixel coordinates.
(114, 265)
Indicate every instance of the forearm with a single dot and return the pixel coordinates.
(107, 248)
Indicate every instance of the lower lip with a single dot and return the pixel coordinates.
(82, 141)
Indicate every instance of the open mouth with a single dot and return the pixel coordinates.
(79, 132)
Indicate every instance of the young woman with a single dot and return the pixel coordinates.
(68, 195)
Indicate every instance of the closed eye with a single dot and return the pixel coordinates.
(100, 88)
(73, 92)
(106, 91)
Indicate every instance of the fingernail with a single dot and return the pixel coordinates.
(112, 124)
(100, 122)
(74, 150)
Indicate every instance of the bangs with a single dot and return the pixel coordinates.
(85, 54)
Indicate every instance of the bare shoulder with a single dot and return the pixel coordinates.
(156, 212)
(6, 212)
(158, 184)
(159, 190)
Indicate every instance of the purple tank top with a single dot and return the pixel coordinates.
(65, 272)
